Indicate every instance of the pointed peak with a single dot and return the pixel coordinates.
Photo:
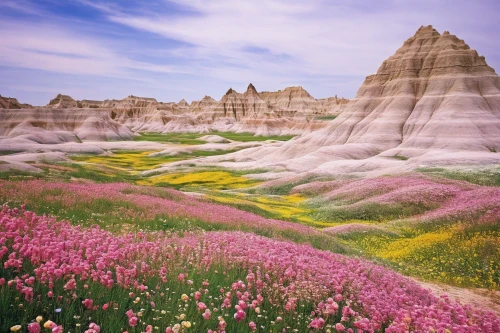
(426, 31)
(230, 91)
(251, 87)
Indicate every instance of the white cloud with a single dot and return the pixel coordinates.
(53, 48)
(327, 46)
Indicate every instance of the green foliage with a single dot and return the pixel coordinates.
(193, 138)
(369, 212)
(400, 157)
(179, 138)
(250, 137)
(486, 177)
(325, 117)
(282, 188)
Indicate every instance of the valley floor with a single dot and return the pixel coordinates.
(439, 226)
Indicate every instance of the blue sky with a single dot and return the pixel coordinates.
(174, 49)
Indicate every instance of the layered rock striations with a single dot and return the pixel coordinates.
(62, 102)
(292, 99)
(12, 103)
(49, 126)
(205, 104)
(332, 105)
(435, 101)
(434, 92)
(285, 112)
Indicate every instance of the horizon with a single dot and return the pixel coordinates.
(173, 50)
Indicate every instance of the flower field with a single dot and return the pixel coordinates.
(59, 277)
(207, 179)
(412, 197)
(437, 229)
(116, 206)
(207, 268)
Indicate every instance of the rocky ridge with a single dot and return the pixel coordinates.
(434, 102)
(12, 103)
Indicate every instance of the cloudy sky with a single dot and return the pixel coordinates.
(174, 49)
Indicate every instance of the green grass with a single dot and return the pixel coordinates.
(281, 189)
(249, 137)
(368, 212)
(74, 317)
(9, 152)
(179, 138)
(457, 254)
(399, 157)
(325, 117)
(16, 174)
(487, 177)
(193, 138)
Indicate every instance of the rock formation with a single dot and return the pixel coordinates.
(291, 98)
(332, 105)
(62, 102)
(435, 101)
(285, 112)
(231, 105)
(183, 104)
(48, 126)
(205, 104)
(12, 103)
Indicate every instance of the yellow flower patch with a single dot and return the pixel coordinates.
(206, 179)
(135, 161)
(402, 248)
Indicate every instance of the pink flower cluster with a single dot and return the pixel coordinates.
(170, 203)
(366, 297)
(443, 198)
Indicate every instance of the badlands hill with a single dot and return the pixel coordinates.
(12, 103)
(62, 102)
(54, 126)
(434, 102)
(65, 119)
(232, 104)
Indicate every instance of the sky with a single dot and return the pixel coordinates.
(174, 49)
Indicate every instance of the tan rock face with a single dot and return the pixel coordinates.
(183, 104)
(291, 98)
(231, 105)
(47, 126)
(205, 104)
(62, 102)
(332, 105)
(434, 92)
(12, 103)
(283, 112)
(435, 101)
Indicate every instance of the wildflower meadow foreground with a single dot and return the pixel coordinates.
(57, 277)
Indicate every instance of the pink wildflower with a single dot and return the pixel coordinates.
(239, 315)
(34, 328)
(88, 303)
(201, 306)
(70, 285)
(133, 321)
(317, 323)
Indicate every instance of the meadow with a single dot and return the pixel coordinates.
(57, 276)
(95, 244)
